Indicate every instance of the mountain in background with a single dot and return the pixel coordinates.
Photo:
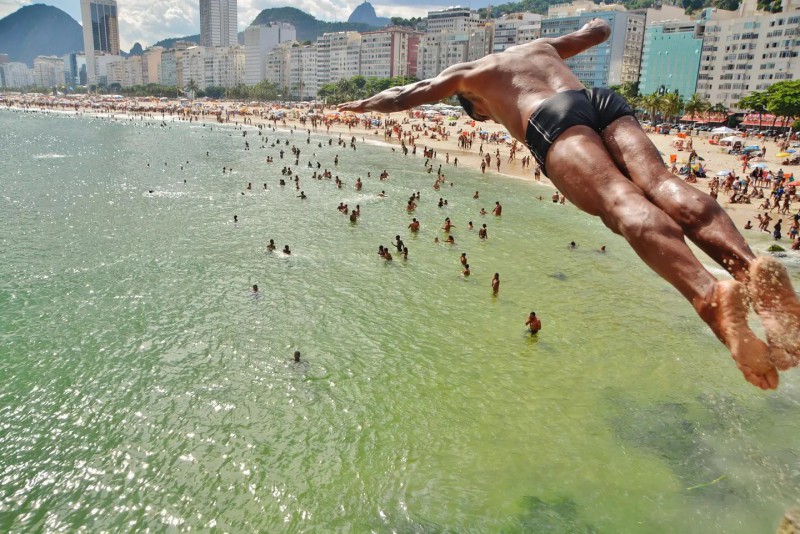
(39, 30)
(308, 28)
(170, 42)
(365, 13)
(136, 50)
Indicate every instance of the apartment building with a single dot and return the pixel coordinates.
(260, 40)
(747, 51)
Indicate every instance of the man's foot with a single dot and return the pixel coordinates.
(776, 303)
(727, 316)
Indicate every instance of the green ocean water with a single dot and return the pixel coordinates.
(142, 386)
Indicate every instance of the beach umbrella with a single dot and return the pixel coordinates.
(723, 173)
(760, 166)
(782, 155)
(791, 151)
(723, 130)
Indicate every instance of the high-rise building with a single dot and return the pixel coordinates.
(218, 23)
(454, 19)
(48, 71)
(514, 29)
(671, 58)
(15, 75)
(747, 50)
(151, 65)
(338, 56)
(217, 66)
(612, 62)
(258, 41)
(100, 33)
(385, 52)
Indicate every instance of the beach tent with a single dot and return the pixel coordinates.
(731, 139)
(723, 130)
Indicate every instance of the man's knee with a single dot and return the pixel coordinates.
(686, 205)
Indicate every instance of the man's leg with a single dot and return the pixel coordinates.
(707, 225)
(582, 169)
(700, 216)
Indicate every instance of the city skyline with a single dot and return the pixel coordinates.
(149, 21)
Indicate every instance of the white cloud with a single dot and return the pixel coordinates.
(148, 21)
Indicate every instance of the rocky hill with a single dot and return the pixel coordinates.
(365, 13)
(308, 28)
(39, 30)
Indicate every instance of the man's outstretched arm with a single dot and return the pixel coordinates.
(446, 84)
(593, 33)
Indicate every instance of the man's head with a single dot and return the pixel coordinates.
(469, 108)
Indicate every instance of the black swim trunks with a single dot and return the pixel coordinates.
(595, 108)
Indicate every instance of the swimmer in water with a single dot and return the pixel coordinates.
(483, 233)
(466, 272)
(236, 218)
(414, 226)
(297, 356)
(271, 246)
(533, 323)
(496, 284)
(286, 250)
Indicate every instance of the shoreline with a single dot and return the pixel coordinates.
(715, 158)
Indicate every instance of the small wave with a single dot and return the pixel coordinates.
(49, 156)
(165, 194)
(375, 142)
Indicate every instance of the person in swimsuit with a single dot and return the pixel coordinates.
(593, 149)
(533, 323)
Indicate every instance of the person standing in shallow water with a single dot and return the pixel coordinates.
(495, 284)
(590, 145)
(533, 323)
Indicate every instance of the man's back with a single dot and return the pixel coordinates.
(510, 85)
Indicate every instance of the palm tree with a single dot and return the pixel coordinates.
(651, 103)
(671, 105)
(696, 105)
(192, 88)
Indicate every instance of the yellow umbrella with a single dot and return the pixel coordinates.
(782, 155)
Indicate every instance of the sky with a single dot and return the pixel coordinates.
(148, 21)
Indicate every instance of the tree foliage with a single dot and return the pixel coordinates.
(358, 88)
(781, 99)
(408, 23)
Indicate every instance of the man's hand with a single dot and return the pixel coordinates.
(597, 24)
(355, 105)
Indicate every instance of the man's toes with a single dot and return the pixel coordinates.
(781, 359)
(772, 379)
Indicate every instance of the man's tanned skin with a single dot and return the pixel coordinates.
(618, 175)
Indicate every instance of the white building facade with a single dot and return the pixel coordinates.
(514, 29)
(15, 75)
(747, 51)
(260, 40)
(48, 71)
